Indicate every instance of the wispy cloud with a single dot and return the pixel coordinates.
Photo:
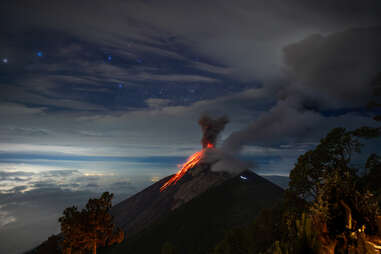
(5, 218)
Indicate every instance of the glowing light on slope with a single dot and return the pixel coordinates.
(190, 163)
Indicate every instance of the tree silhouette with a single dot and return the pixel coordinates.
(91, 228)
(343, 209)
(376, 83)
(168, 248)
(71, 227)
(331, 156)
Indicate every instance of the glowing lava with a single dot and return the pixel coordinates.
(190, 163)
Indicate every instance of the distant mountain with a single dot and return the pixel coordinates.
(281, 181)
(194, 214)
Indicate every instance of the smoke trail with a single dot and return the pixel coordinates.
(287, 121)
(211, 128)
(225, 162)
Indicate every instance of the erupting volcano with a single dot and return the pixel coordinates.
(190, 163)
(210, 128)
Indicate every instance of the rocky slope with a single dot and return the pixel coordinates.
(139, 211)
(197, 225)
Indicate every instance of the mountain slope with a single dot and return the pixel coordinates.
(139, 211)
(197, 225)
(281, 181)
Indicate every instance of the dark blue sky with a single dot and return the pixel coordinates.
(106, 95)
(114, 78)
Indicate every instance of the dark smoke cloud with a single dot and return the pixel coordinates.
(287, 121)
(324, 74)
(220, 160)
(211, 128)
(335, 70)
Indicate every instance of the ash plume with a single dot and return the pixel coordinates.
(211, 128)
(318, 79)
(225, 162)
(286, 122)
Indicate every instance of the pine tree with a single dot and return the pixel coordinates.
(91, 228)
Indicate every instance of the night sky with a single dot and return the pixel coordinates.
(105, 95)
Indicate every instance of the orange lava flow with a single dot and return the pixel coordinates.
(209, 145)
(190, 163)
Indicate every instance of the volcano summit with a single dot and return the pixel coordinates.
(210, 129)
(194, 207)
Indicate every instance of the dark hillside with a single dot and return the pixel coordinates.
(196, 226)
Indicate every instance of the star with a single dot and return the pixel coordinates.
(109, 58)
(39, 53)
(120, 85)
(5, 60)
(162, 91)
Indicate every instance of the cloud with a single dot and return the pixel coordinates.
(5, 218)
(172, 78)
(59, 173)
(326, 74)
(335, 70)
(40, 177)
(39, 200)
(75, 74)
(157, 103)
(131, 133)
(43, 208)
(4, 175)
(13, 109)
(27, 131)
(126, 133)
(247, 35)
(212, 68)
(73, 99)
(244, 35)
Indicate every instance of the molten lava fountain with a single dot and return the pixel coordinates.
(190, 163)
(211, 128)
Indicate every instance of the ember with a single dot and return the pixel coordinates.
(190, 163)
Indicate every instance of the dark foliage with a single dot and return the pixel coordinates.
(342, 207)
(90, 228)
(328, 208)
(331, 156)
